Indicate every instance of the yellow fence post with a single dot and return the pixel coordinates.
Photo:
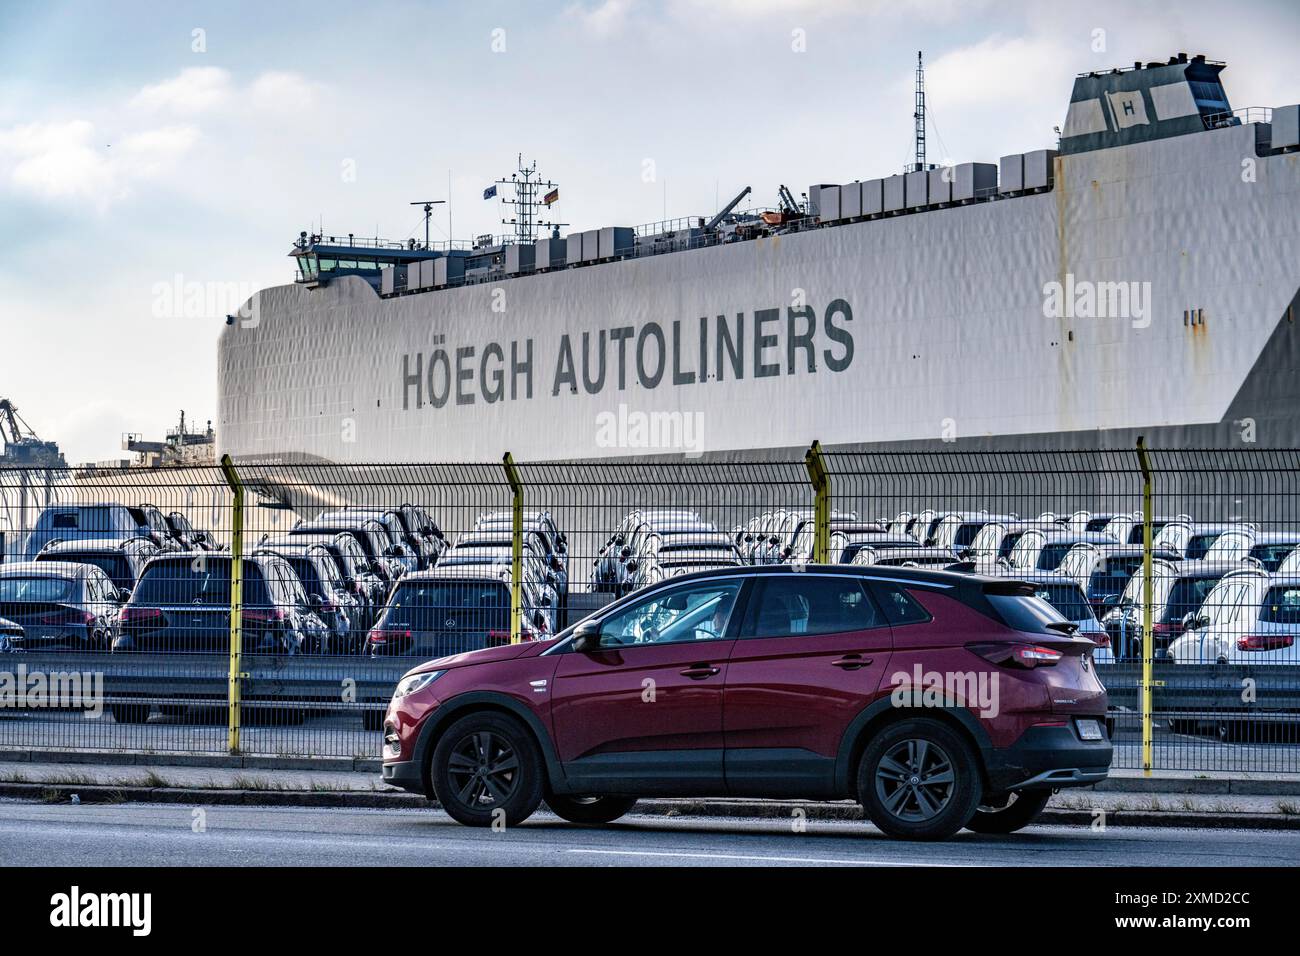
(821, 484)
(1148, 644)
(516, 550)
(236, 603)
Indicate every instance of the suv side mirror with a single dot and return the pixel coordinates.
(586, 637)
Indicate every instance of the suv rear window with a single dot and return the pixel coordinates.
(1026, 613)
(90, 518)
(1066, 598)
(450, 605)
(1281, 606)
(115, 566)
(899, 606)
(187, 581)
(37, 590)
(807, 604)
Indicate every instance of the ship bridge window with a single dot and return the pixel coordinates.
(1209, 96)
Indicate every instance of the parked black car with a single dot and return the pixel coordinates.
(59, 605)
(359, 579)
(122, 561)
(342, 610)
(182, 603)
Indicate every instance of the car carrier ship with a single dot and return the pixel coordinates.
(1140, 278)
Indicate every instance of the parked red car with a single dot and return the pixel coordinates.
(937, 700)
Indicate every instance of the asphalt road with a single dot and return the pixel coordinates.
(156, 835)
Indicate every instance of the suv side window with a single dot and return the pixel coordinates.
(900, 607)
(801, 605)
(697, 613)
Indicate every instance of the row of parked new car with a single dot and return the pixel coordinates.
(1222, 592)
(351, 580)
(651, 544)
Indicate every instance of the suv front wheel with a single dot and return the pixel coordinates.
(919, 779)
(486, 769)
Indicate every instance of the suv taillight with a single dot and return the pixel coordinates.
(1035, 655)
(382, 638)
(1264, 642)
(1017, 655)
(142, 616)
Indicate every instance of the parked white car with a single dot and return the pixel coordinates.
(1251, 617)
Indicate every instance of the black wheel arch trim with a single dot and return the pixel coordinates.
(845, 771)
(458, 706)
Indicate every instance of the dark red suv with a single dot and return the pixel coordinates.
(937, 700)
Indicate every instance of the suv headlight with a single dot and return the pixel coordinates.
(412, 683)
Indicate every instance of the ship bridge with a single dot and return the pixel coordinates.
(320, 258)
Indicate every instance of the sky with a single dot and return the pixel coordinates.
(154, 148)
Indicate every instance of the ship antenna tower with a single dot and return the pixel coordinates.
(527, 184)
(918, 115)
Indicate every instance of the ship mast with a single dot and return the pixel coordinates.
(918, 116)
(527, 183)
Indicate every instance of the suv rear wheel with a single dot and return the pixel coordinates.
(1009, 812)
(485, 769)
(590, 809)
(919, 779)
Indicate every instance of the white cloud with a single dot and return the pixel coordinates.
(282, 92)
(57, 160)
(604, 19)
(736, 10)
(191, 91)
(70, 160)
(994, 72)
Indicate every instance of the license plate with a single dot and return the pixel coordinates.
(1089, 730)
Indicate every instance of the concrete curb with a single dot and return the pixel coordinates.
(685, 809)
(138, 758)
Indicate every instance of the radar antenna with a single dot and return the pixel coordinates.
(428, 205)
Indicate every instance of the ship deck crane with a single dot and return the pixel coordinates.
(21, 444)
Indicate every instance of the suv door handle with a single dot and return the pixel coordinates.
(851, 662)
(700, 671)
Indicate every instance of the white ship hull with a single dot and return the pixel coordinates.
(930, 327)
